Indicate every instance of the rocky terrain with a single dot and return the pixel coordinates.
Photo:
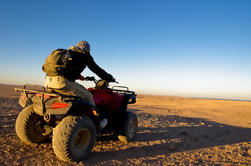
(172, 131)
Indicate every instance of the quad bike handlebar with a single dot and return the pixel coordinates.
(88, 78)
(99, 84)
(91, 78)
(103, 84)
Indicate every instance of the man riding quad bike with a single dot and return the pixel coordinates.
(70, 114)
(63, 67)
(71, 121)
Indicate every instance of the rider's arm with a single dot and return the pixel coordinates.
(98, 70)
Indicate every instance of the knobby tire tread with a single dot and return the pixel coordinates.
(24, 128)
(62, 136)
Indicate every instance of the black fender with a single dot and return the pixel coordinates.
(81, 107)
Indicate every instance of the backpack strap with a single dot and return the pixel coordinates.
(68, 55)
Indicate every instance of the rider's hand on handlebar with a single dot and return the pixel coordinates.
(113, 80)
(90, 78)
(82, 78)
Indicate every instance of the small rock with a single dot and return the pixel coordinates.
(123, 139)
(239, 155)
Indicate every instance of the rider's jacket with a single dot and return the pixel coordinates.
(82, 60)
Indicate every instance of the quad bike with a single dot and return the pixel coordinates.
(72, 122)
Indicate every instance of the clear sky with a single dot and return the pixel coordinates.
(196, 48)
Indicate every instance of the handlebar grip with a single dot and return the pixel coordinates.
(90, 78)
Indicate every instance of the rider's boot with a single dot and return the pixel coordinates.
(103, 123)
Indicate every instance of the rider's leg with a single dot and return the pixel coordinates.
(66, 87)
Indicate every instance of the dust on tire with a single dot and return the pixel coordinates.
(28, 126)
(66, 134)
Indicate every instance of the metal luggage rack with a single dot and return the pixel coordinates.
(41, 91)
(122, 91)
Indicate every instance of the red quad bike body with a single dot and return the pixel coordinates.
(107, 99)
(72, 122)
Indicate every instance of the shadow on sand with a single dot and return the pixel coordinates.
(157, 132)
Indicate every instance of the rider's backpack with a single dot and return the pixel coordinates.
(57, 63)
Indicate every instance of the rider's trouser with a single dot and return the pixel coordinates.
(67, 87)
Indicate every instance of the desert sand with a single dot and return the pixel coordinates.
(172, 131)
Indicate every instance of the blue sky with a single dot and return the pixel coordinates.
(196, 48)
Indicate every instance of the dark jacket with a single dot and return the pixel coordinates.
(79, 62)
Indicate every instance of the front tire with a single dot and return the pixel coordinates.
(29, 126)
(74, 138)
(130, 126)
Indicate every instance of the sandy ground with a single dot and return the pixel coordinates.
(172, 131)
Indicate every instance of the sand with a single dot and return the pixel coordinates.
(172, 131)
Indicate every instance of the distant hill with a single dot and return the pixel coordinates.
(7, 90)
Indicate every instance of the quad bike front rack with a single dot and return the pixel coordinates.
(125, 91)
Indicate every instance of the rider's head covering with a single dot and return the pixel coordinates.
(84, 45)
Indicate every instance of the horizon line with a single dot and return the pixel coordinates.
(193, 97)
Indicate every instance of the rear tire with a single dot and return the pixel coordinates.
(130, 126)
(74, 138)
(29, 126)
